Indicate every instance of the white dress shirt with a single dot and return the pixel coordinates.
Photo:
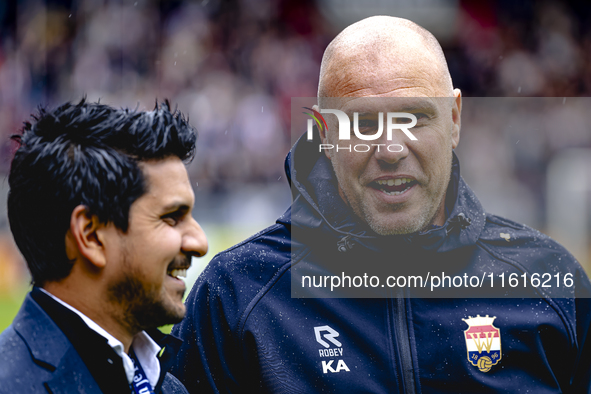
(146, 350)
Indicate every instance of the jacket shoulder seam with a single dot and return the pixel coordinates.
(542, 293)
(266, 288)
(501, 221)
(261, 233)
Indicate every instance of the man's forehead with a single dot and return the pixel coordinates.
(167, 180)
(384, 56)
(373, 105)
(388, 74)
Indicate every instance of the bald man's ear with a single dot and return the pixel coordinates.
(456, 114)
(323, 136)
(84, 238)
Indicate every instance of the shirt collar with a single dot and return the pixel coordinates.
(146, 350)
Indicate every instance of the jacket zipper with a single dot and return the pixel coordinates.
(403, 342)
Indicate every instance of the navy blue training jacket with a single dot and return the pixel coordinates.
(244, 332)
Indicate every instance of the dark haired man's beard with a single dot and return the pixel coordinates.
(142, 306)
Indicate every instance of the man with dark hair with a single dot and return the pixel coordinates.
(100, 206)
(263, 316)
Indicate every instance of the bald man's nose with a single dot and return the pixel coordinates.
(391, 151)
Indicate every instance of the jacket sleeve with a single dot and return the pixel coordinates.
(582, 373)
(219, 354)
(209, 358)
(171, 385)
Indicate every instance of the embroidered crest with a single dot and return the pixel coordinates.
(483, 341)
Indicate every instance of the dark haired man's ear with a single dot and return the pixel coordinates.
(83, 239)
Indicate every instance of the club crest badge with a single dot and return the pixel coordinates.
(483, 341)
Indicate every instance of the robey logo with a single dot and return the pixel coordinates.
(332, 334)
(345, 129)
(324, 335)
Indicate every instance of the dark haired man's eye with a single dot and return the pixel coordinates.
(172, 218)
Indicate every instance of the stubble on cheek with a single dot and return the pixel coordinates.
(142, 306)
(397, 221)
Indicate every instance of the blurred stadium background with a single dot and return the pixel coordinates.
(233, 67)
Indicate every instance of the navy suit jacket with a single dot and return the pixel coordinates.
(36, 357)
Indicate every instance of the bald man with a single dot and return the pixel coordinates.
(373, 199)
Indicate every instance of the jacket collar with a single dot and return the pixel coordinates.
(170, 346)
(318, 210)
(51, 350)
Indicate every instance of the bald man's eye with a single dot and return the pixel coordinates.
(422, 119)
(405, 120)
(368, 126)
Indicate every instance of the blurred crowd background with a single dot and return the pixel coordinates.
(234, 66)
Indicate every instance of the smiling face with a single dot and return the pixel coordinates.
(157, 248)
(402, 189)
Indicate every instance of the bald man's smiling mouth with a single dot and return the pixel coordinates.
(393, 186)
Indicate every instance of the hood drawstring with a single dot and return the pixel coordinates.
(460, 222)
(345, 244)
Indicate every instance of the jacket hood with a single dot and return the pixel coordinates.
(319, 211)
